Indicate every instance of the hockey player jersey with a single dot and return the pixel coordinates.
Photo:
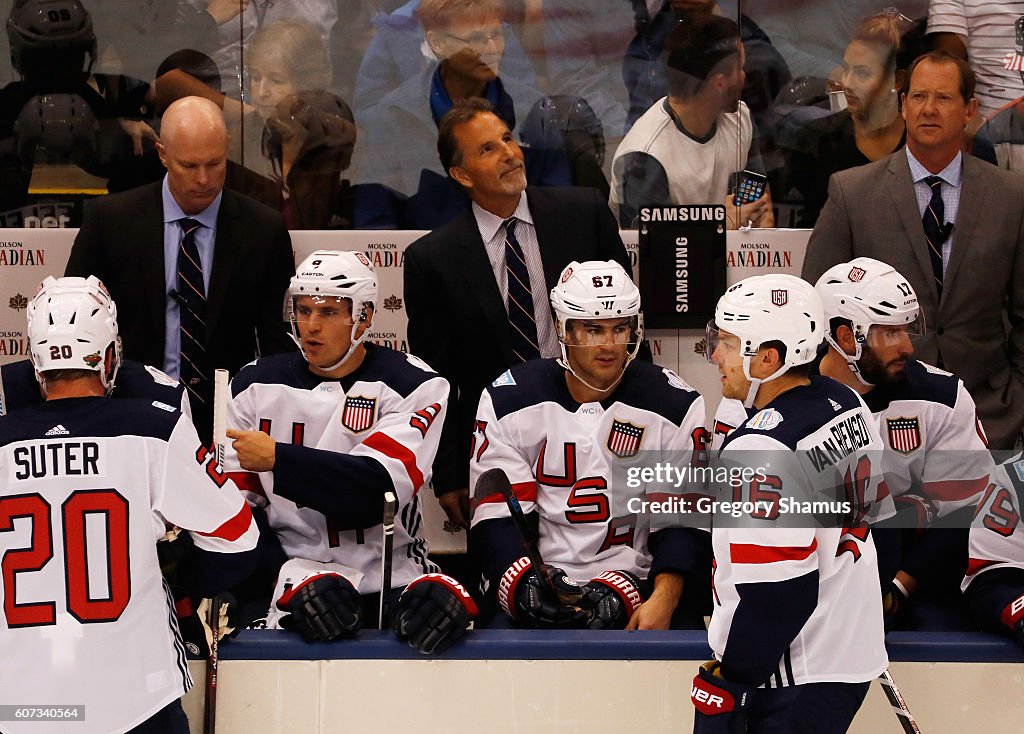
(567, 461)
(994, 581)
(390, 410)
(86, 488)
(808, 438)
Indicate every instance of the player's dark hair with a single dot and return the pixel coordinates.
(461, 112)
(835, 322)
(967, 78)
(695, 49)
(67, 375)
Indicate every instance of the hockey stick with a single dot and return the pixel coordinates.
(220, 413)
(898, 703)
(210, 704)
(390, 507)
(496, 481)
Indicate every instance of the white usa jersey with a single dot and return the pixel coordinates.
(935, 445)
(997, 534)
(811, 436)
(390, 409)
(560, 457)
(87, 486)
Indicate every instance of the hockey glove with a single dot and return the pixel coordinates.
(524, 597)
(194, 622)
(720, 704)
(433, 612)
(322, 606)
(895, 605)
(611, 598)
(1013, 618)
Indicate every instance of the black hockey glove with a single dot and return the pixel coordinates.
(895, 605)
(720, 704)
(611, 598)
(525, 598)
(433, 612)
(323, 606)
(1013, 618)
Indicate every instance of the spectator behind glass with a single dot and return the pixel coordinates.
(402, 184)
(687, 147)
(870, 127)
(399, 50)
(296, 138)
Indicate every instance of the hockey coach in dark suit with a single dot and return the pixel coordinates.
(476, 290)
(199, 272)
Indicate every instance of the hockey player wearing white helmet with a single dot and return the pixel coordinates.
(319, 437)
(559, 429)
(791, 652)
(936, 462)
(136, 463)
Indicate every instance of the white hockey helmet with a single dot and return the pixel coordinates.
(72, 324)
(596, 290)
(334, 274)
(766, 308)
(866, 292)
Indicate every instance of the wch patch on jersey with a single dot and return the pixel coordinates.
(625, 438)
(358, 413)
(765, 420)
(904, 434)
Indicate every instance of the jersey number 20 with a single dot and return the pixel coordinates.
(107, 504)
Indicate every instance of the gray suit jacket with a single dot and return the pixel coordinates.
(977, 330)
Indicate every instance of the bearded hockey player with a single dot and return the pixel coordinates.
(797, 624)
(936, 461)
(86, 487)
(319, 437)
(558, 429)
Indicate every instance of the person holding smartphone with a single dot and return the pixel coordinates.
(697, 145)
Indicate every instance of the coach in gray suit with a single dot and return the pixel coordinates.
(954, 226)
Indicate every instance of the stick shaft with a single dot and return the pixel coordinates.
(386, 559)
(220, 414)
(898, 703)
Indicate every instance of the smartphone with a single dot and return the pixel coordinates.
(750, 187)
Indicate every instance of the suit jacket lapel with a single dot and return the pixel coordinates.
(972, 194)
(901, 189)
(227, 249)
(476, 270)
(148, 247)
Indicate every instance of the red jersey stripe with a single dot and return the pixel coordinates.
(749, 553)
(393, 449)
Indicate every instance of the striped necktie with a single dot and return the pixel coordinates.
(192, 313)
(935, 229)
(520, 299)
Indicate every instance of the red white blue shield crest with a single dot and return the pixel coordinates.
(904, 434)
(780, 296)
(624, 439)
(357, 415)
(856, 274)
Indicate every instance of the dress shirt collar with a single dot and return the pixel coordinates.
(950, 175)
(172, 212)
(489, 223)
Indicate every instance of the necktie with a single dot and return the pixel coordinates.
(935, 229)
(192, 313)
(520, 299)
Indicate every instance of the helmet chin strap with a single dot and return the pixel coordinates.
(355, 341)
(756, 382)
(852, 360)
(565, 364)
